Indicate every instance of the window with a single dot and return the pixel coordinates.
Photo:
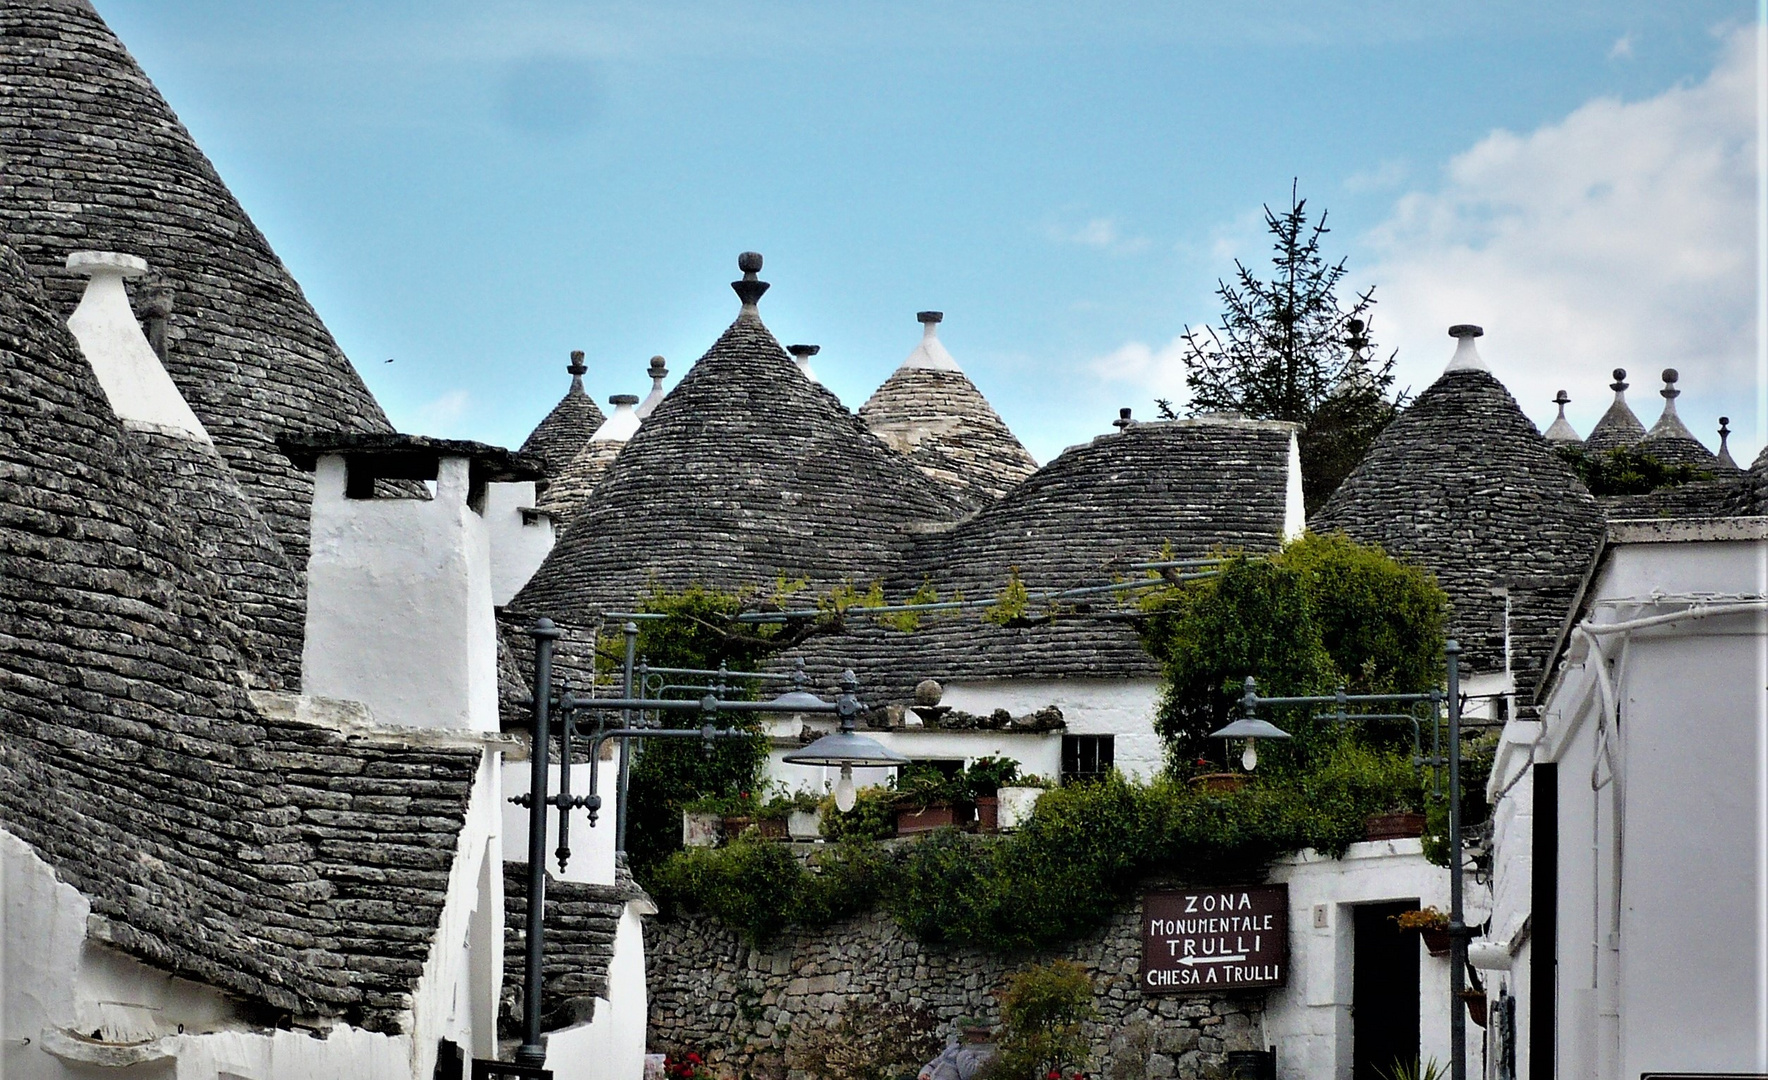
(1085, 757)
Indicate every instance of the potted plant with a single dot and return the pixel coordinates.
(805, 819)
(1216, 783)
(770, 817)
(926, 800)
(739, 813)
(984, 778)
(1018, 799)
(1403, 817)
(1432, 925)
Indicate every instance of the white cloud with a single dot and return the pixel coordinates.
(1101, 234)
(1622, 49)
(1623, 235)
(1158, 370)
(1388, 174)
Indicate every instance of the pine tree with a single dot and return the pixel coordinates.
(1286, 350)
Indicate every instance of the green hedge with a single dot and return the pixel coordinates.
(1084, 849)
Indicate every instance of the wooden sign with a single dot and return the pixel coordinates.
(1215, 939)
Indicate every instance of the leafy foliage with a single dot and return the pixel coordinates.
(1286, 350)
(1043, 1009)
(1626, 470)
(1322, 613)
(1083, 851)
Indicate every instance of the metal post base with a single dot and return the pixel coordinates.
(488, 1069)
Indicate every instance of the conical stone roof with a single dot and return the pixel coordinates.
(931, 411)
(1618, 426)
(134, 763)
(96, 160)
(567, 429)
(570, 489)
(1561, 432)
(1669, 440)
(745, 473)
(1463, 485)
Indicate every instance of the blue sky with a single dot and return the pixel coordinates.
(474, 189)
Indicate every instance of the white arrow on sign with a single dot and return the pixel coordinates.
(1193, 961)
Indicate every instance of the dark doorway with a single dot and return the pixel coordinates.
(1384, 998)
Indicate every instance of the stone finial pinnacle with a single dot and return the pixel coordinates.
(750, 289)
(930, 317)
(801, 355)
(658, 371)
(1669, 392)
(576, 367)
(1562, 399)
(1619, 386)
(1123, 420)
(659, 368)
(1467, 357)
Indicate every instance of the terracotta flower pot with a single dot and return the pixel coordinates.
(1436, 939)
(1476, 1006)
(771, 828)
(988, 813)
(1394, 826)
(734, 826)
(917, 819)
(1219, 783)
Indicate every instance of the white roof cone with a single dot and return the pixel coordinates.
(621, 426)
(930, 353)
(658, 373)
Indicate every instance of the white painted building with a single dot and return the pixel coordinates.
(1630, 926)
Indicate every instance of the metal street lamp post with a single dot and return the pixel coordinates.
(530, 1057)
(1251, 728)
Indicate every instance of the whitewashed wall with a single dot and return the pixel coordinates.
(592, 849)
(612, 1045)
(519, 542)
(1309, 1020)
(1663, 906)
(399, 611)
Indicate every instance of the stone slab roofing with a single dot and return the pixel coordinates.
(565, 431)
(569, 491)
(1462, 484)
(268, 858)
(233, 540)
(96, 160)
(1194, 487)
(931, 411)
(581, 922)
(1618, 426)
(745, 473)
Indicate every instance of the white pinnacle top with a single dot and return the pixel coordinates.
(658, 374)
(1467, 357)
(930, 354)
(128, 370)
(621, 426)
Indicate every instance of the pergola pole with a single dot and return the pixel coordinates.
(531, 1052)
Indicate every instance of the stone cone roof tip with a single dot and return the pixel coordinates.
(931, 411)
(745, 472)
(1561, 430)
(1467, 357)
(97, 160)
(623, 424)
(1618, 426)
(1669, 440)
(1462, 484)
(1724, 455)
(567, 429)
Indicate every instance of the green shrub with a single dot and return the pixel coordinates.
(1044, 1009)
(873, 816)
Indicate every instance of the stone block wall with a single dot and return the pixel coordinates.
(747, 1010)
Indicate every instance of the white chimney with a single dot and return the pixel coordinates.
(399, 590)
(1467, 357)
(930, 353)
(801, 355)
(658, 372)
(623, 424)
(129, 371)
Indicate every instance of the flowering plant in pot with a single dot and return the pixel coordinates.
(926, 800)
(985, 778)
(688, 1066)
(1432, 925)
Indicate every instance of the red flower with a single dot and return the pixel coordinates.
(1054, 1075)
(693, 1058)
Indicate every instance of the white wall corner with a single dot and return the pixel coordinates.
(521, 537)
(141, 393)
(1295, 509)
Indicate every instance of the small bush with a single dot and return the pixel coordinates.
(873, 816)
(869, 1042)
(1043, 1010)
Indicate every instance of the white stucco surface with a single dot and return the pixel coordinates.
(612, 1045)
(399, 603)
(592, 849)
(131, 375)
(519, 542)
(1310, 1020)
(57, 988)
(1661, 744)
(1123, 708)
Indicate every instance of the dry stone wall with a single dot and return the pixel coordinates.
(749, 1010)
